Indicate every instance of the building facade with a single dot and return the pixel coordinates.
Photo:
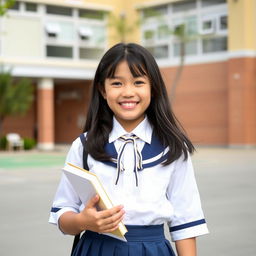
(58, 45)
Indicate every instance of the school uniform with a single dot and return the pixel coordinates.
(151, 193)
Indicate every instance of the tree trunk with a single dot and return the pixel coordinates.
(179, 71)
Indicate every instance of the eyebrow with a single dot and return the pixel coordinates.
(116, 77)
(120, 77)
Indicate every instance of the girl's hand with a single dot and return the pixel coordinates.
(104, 221)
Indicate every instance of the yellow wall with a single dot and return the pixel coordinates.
(117, 7)
(128, 9)
(242, 24)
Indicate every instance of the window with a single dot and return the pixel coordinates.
(159, 52)
(149, 34)
(85, 33)
(91, 14)
(15, 6)
(184, 6)
(52, 29)
(155, 12)
(208, 26)
(188, 23)
(190, 48)
(59, 51)
(214, 25)
(218, 44)
(90, 53)
(58, 10)
(163, 32)
(223, 22)
(201, 24)
(206, 3)
(31, 7)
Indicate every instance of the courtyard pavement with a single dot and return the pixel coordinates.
(226, 180)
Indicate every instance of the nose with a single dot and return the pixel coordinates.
(128, 90)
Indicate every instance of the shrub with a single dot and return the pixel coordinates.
(29, 143)
(3, 142)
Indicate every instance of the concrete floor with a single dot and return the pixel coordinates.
(226, 180)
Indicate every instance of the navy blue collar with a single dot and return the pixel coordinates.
(152, 154)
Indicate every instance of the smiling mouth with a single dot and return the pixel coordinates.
(128, 105)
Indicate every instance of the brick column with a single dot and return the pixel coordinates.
(45, 113)
(242, 73)
(242, 102)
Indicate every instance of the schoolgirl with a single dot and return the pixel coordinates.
(139, 151)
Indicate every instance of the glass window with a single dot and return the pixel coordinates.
(207, 24)
(52, 29)
(67, 31)
(31, 7)
(85, 33)
(163, 31)
(59, 51)
(184, 6)
(179, 30)
(206, 3)
(90, 53)
(223, 22)
(148, 34)
(155, 11)
(159, 52)
(15, 6)
(58, 10)
(217, 44)
(92, 33)
(91, 14)
(188, 23)
(191, 25)
(190, 48)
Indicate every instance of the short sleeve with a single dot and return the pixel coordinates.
(66, 199)
(188, 218)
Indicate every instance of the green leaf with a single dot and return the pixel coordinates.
(16, 96)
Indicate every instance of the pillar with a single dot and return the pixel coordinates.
(45, 113)
(242, 73)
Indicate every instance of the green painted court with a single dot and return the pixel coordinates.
(30, 159)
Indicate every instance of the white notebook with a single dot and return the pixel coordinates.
(87, 184)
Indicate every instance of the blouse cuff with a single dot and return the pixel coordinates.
(57, 212)
(188, 230)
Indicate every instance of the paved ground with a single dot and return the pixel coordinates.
(226, 178)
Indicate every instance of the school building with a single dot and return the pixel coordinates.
(58, 43)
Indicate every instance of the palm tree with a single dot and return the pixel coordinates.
(183, 35)
(121, 27)
(180, 33)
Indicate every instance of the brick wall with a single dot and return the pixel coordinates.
(200, 101)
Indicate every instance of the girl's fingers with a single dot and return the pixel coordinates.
(114, 218)
(111, 222)
(93, 201)
(112, 226)
(111, 212)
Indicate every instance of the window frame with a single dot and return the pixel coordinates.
(202, 14)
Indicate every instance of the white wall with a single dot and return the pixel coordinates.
(22, 37)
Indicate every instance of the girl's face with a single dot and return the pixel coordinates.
(127, 96)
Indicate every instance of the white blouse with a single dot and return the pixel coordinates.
(163, 194)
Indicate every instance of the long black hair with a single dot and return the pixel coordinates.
(99, 121)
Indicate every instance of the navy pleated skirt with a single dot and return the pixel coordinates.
(141, 241)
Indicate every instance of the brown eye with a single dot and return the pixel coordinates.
(116, 84)
(139, 82)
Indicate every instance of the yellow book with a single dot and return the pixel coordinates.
(87, 184)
